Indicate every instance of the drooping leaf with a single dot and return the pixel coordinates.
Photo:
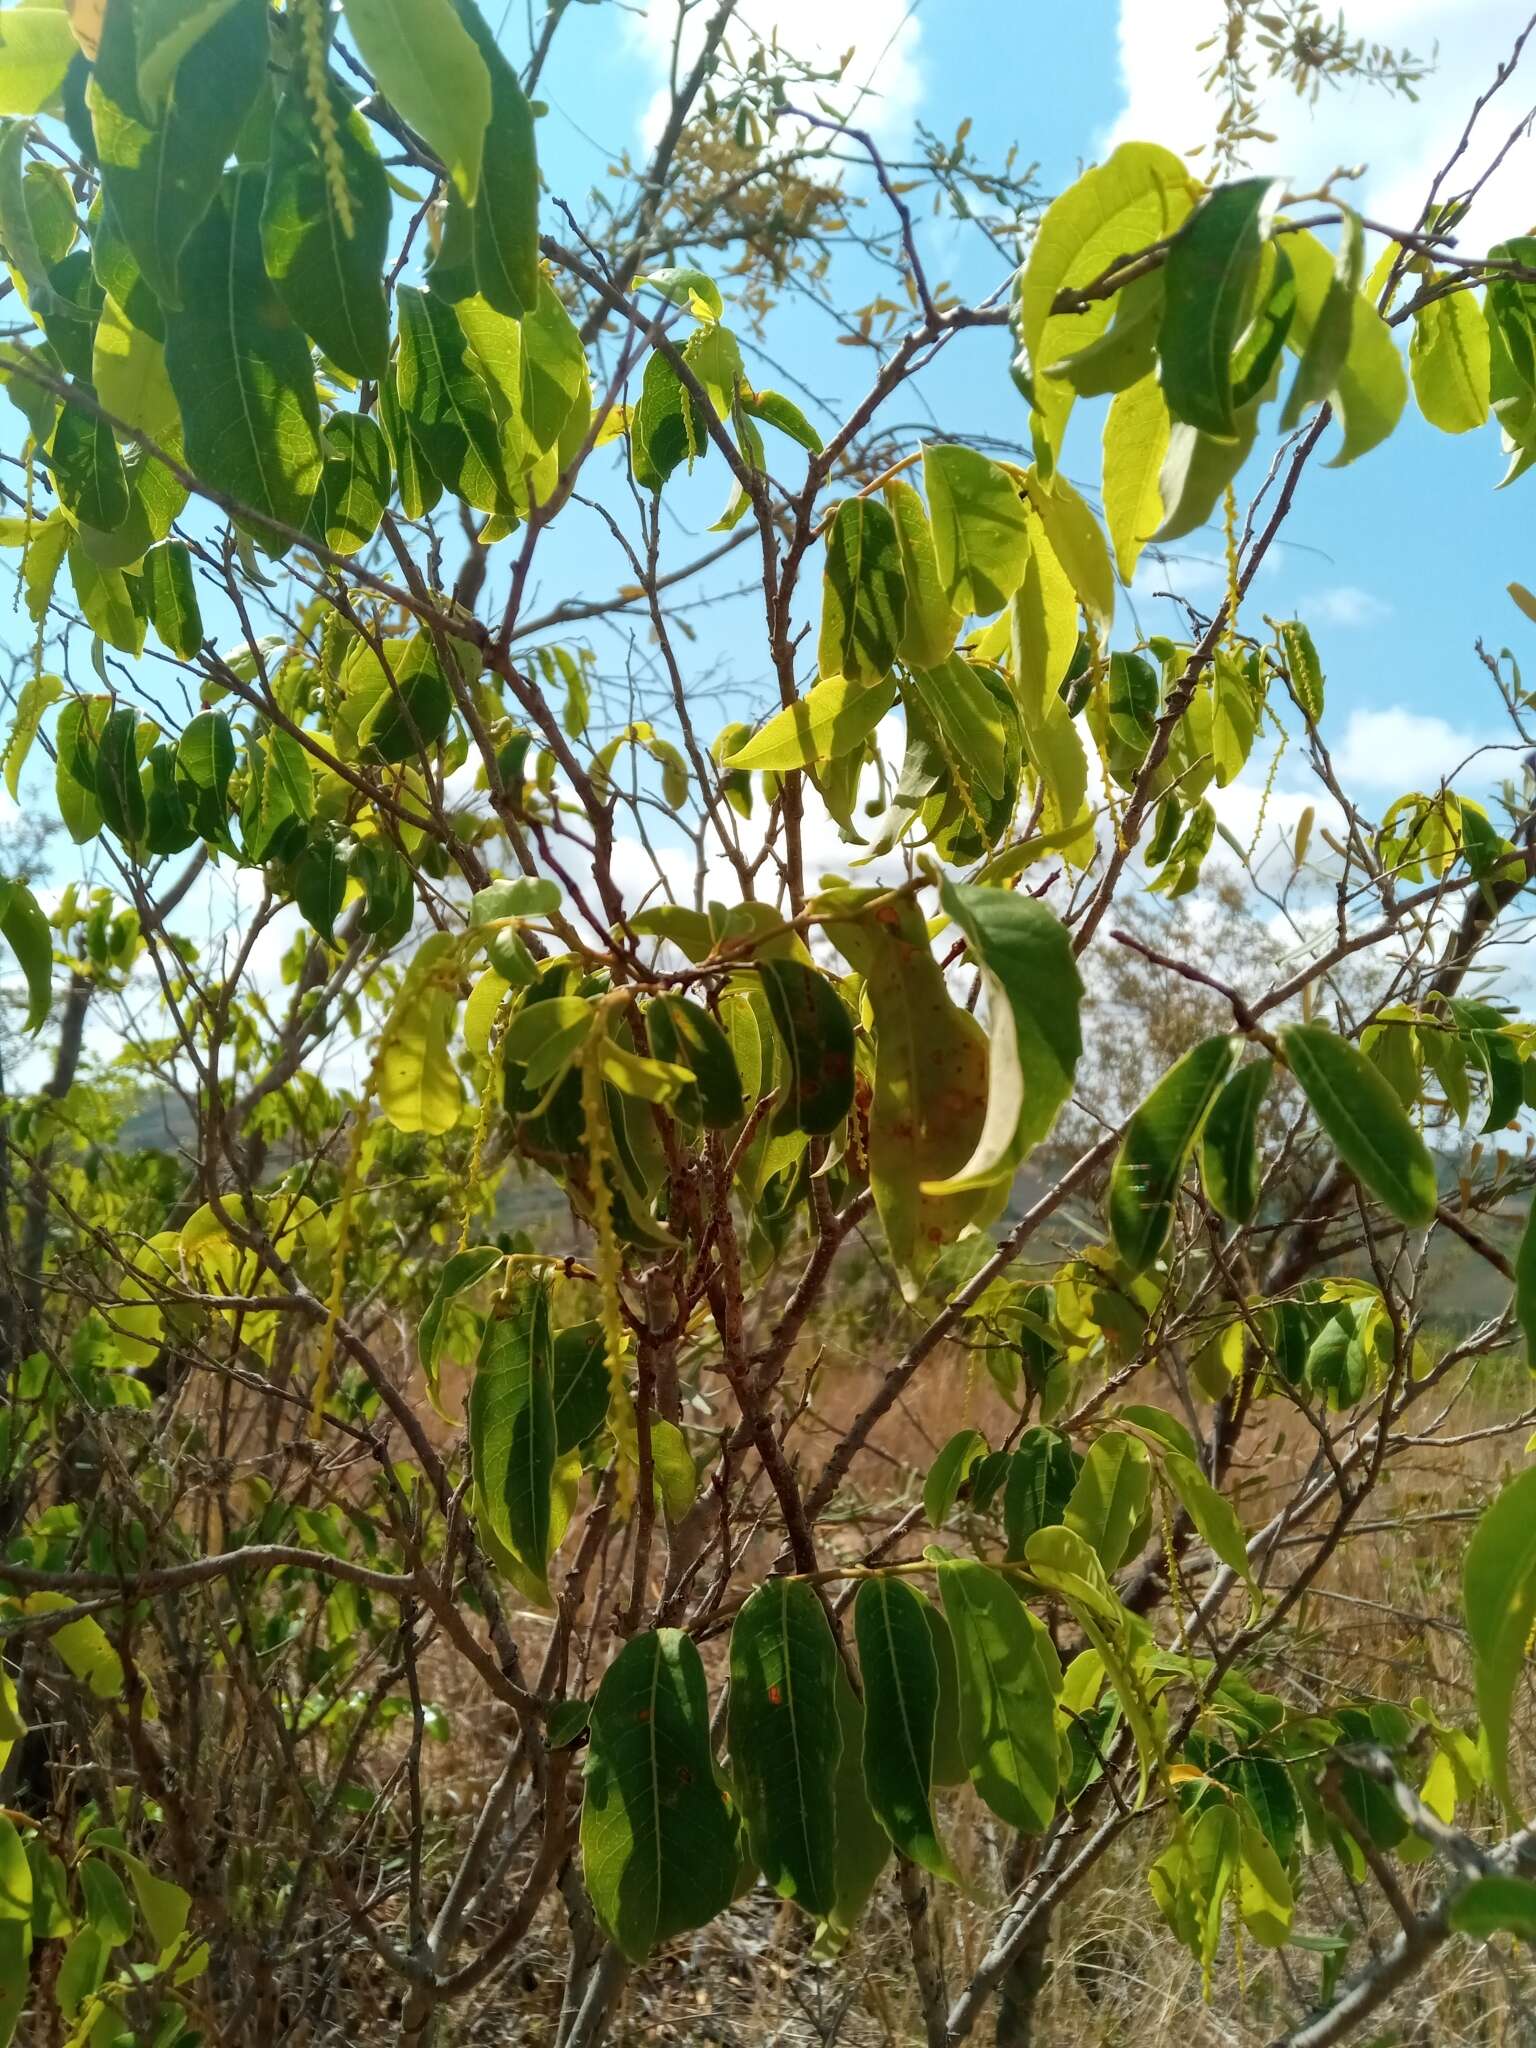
(1360, 1113)
(684, 1033)
(1007, 1717)
(429, 69)
(785, 1739)
(1034, 1036)
(506, 209)
(1041, 1476)
(418, 1085)
(37, 693)
(901, 1700)
(1370, 388)
(1498, 1596)
(355, 483)
(863, 594)
(1211, 1512)
(1229, 1149)
(862, 1847)
(658, 1845)
(241, 372)
(981, 536)
(814, 1024)
(170, 598)
(1155, 1150)
(1110, 1495)
(512, 1429)
(1136, 431)
(446, 404)
(1449, 359)
(160, 169)
(948, 1473)
(325, 228)
(27, 932)
(463, 1271)
(1212, 263)
(930, 1087)
(932, 623)
(1327, 345)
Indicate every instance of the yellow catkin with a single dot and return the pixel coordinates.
(483, 1120)
(1269, 784)
(311, 25)
(594, 1111)
(1234, 594)
(339, 1260)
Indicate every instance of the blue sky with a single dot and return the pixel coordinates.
(1399, 562)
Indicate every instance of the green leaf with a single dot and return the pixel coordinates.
(901, 1702)
(1229, 1146)
(948, 1473)
(1525, 1286)
(1327, 346)
(664, 429)
(1041, 1476)
(781, 412)
(862, 1847)
(1371, 386)
(30, 937)
(817, 1031)
(658, 1844)
(1127, 349)
(107, 1904)
(87, 469)
(325, 238)
(932, 623)
(418, 1085)
(833, 717)
(170, 598)
(83, 1646)
(1449, 360)
(37, 693)
(167, 31)
(37, 47)
(119, 791)
(241, 372)
(15, 1875)
(1496, 1905)
(1064, 1564)
(1304, 672)
(1007, 1713)
(1110, 1495)
(165, 1906)
(205, 753)
(1077, 541)
(980, 532)
(1498, 1597)
(974, 727)
(161, 173)
(686, 287)
(463, 1270)
(863, 594)
(1136, 434)
(512, 1429)
(1198, 467)
(785, 1739)
(1211, 1512)
(553, 369)
(1034, 995)
(446, 405)
(1212, 263)
(320, 885)
(1359, 1111)
(1155, 1150)
(1139, 195)
(355, 483)
(684, 1033)
(428, 67)
(930, 1087)
(506, 216)
(583, 1388)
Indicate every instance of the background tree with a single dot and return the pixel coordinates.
(471, 1516)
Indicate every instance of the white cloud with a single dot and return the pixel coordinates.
(1401, 143)
(1346, 605)
(881, 88)
(1400, 750)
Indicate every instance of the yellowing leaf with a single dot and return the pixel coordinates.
(1136, 432)
(417, 1083)
(832, 717)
